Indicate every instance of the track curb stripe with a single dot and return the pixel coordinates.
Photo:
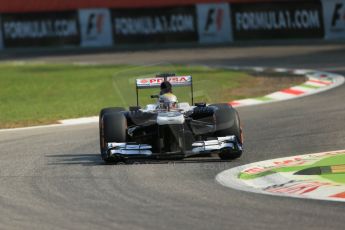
(318, 81)
(292, 91)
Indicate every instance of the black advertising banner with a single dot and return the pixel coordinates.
(277, 20)
(40, 29)
(155, 25)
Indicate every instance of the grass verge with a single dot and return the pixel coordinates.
(34, 94)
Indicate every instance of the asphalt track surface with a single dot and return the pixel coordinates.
(53, 178)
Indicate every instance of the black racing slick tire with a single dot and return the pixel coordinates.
(227, 122)
(108, 110)
(115, 126)
(104, 123)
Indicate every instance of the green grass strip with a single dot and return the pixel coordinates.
(264, 98)
(310, 86)
(246, 176)
(33, 94)
(38, 93)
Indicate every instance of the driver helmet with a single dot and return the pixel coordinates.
(166, 87)
(168, 101)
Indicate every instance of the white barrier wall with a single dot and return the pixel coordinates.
(95, 27)
(214, 23)
(334, 18)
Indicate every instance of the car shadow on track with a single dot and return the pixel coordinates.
(95, 160)
(74, 159)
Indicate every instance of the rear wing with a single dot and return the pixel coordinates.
(155, 82)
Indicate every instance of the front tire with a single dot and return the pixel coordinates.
(109, 110)
(113, 126)
(227, 123)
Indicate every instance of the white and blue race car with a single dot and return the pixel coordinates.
(159, 131)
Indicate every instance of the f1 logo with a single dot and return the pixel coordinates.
(337, 14)
(95, 27)
(95, 24)
(214, 18)
(214, 24)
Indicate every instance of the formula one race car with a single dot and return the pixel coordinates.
(166, 131)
